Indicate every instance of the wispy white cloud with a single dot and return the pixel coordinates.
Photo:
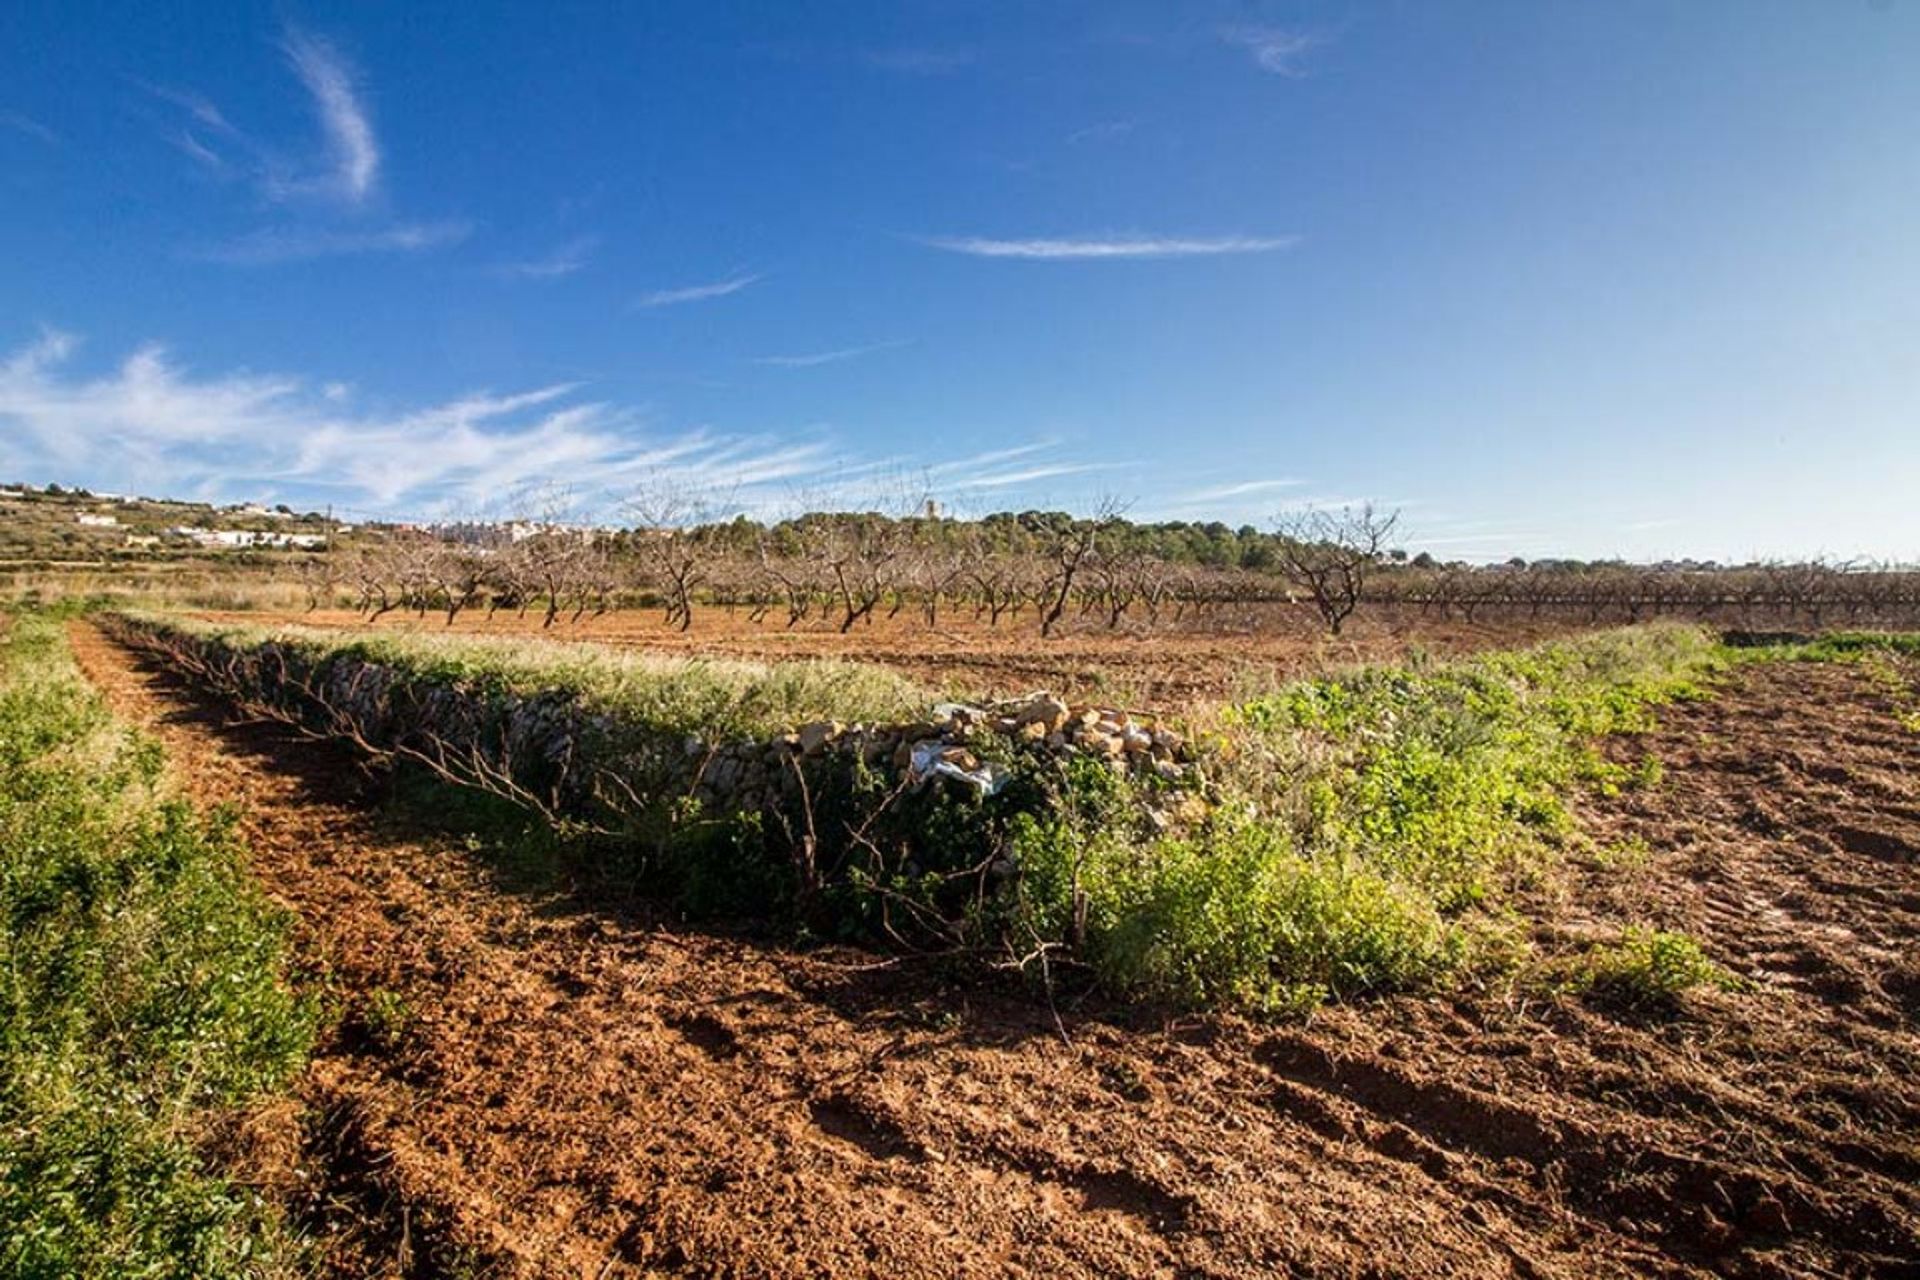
(194, 103)
(23, 123)
(881, 483)
(826, 357)
(1105, 131)
(203, 134)
(197, 151)
(1240, 489)
(344, 172)
(271, 246)
(346, 169)
(920, 62)
(991, 458)
(695, 293)
(1275, 49)
(562, 261)
(352, 150)
(150, 424)
(1028, 475)
(1132, 246)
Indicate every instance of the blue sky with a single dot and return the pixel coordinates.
(1612, 278)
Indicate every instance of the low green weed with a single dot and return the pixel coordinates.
(1877, 653)
(141, 993)
(1366, 831)
(387, 1018)
(1649, 969)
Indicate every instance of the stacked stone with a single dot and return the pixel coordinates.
(749, 775)
(569, 747)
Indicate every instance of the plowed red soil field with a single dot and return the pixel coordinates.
(1163, 667)
(580, 1090)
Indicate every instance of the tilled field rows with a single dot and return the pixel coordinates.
(576, 1091)
(1164, 669)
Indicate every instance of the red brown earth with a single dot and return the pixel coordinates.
(584, 1090)
(1165, 667)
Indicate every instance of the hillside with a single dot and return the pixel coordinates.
(56, 525)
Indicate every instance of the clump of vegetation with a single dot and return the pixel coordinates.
(1841, 646)
(1649, 969)
(387, 1019)
(1901, 692)
(1364, 827)
(1879, 654)
(142, 994)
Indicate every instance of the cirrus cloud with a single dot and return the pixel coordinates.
(352, 150)
(1275, 49)
(272, 245)
(1108, 247)
(814, 358)
(150, 424)
(694, 293)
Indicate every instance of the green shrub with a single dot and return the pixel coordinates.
(1650, 968)
(1366, 830)
(142, 993)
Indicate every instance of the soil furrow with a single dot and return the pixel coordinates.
(529, 1083)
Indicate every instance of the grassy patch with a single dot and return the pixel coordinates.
(718, 699)
(1367, 830)
(1878, 654)
(1840, 646)
(1649, 969)
(141, 994)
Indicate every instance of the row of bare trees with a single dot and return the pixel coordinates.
(844, 570)
(1798, 594)
(562, 574)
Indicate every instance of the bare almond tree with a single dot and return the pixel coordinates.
(1070, 543)
(789, 574)
(862, 551)
(458, 574)
(672, 542)
(510, 579)
(1329, 554)
(320, 576)
(554, 563)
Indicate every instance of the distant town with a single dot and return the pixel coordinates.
(57, 524)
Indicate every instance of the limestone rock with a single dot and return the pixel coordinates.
(814, 737)
(1046, 711)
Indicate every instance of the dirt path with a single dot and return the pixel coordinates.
(578, 1093)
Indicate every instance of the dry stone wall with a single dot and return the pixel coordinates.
(557, 753)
